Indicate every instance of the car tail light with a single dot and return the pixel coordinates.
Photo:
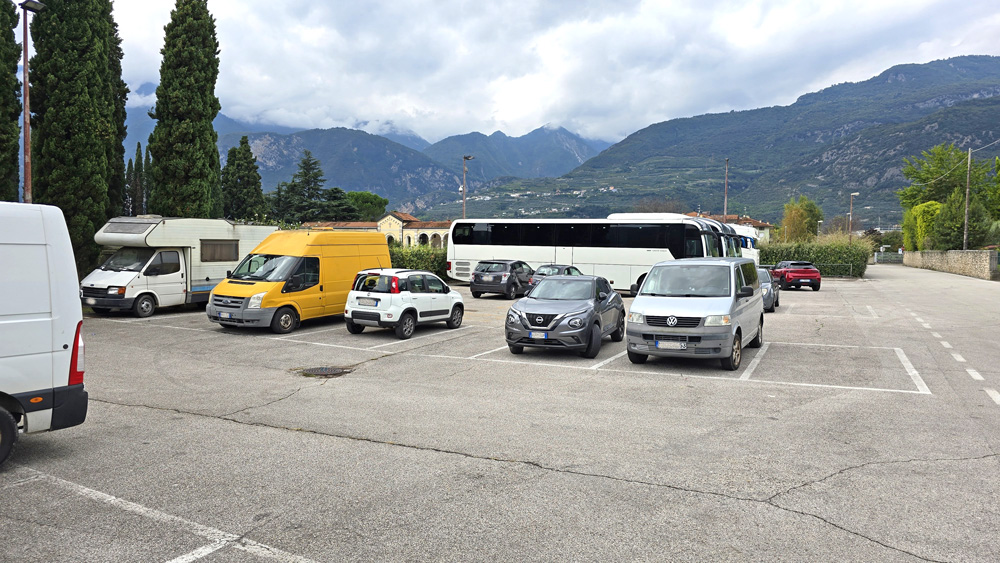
(76, 363)
(394, 285)
(504, 278)
(531, 279)
(449, 266)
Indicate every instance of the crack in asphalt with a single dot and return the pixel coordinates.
(770, 501)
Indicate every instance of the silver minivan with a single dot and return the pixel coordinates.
(697, 308)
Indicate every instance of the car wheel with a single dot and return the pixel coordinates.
(797, 286)
(283, 321)
(404, 329)
(144, 306)
(777, 301)
(816, 287)
(102, 311)
(758, 340)
(8, 434)
(477, 294)
(637, 358)
(514, 349)
(455, 320)
(510, 292)
(732, 363)
(783, 283)
(771, 308)
(619, 332)
(353, 327)
(594, 343)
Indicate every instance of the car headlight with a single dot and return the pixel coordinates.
(635, 318)
(575, 322)
(255, 300)
(766, 289)
(512, 317)
(717, 320)
(113, 290)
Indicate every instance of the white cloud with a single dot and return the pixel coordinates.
(603, 69)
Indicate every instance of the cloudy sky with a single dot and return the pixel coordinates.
(600, 68)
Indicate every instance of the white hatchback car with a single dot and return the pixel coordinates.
(401, 299)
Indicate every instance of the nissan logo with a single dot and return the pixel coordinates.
(671, 321)
(539, 320)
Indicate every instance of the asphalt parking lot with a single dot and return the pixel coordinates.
(865, 428)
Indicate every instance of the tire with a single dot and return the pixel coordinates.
(619, 334)
(102, 311)
(284, 321)
(637, 358)
(594, 344)
(771, 308)
(477, 294)
(758, 340)
(8, 434)
(783, 283)
(797, 286)
(732, 363)
(144, 306)
(353, 328)
(816, 287)
(404, 328)
(514, 349)
(510, 292)
(455, 319)
(777, 300)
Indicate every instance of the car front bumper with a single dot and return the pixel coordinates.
(108, 303)
(561, 337)
(716, 342)
(240, 317)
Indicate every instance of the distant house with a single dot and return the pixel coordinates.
(398, 227)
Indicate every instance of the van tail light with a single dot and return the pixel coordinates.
(394, 285)
(449, 266)
(76, 363)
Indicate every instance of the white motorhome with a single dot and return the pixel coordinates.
(41, 346)
(165, 261)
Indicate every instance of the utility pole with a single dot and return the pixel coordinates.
(850, 220)
(465, 159)
(968, 180)
(725, 197)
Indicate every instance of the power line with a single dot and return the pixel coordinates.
(954, 167)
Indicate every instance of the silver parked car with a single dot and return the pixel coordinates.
(770, 290)
(697, 308)
(566, 313)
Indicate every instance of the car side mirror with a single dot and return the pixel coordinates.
(229, 273)
(295, 282)
(745, 291)
(634, 289)
(602, 296)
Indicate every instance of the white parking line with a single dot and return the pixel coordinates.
(609, 360)
(935, 335)
(945, 344)
(974, 374)
(415, 338)
(914, 375)
(872, 311)
(215, 535)
(753, 364)
(926, 325)
(958, 357)
(488, 352)
(993, 395)
(919, 320)
(202, 551)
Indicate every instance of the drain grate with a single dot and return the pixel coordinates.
(325, 372)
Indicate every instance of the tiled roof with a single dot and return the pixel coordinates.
(342, 224)
(429, 225)
(404, 217)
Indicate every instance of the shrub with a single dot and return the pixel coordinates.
(420, 258)
(834, 255)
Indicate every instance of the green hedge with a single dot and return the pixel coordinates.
(832, 258)
(420, 258)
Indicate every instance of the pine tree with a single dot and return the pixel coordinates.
(73, 98)
(185, 159)
(241, 189)
(10, 103)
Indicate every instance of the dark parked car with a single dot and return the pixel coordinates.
(566, 313)
(553, 270)
(771, 290)
(508, 277)
(796, 274)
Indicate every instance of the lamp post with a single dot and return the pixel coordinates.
(27, 6)
(819, 225)
(850, 220)
(465, 159)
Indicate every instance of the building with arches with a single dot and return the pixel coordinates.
(398, 228)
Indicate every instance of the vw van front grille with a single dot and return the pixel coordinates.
(681, 322)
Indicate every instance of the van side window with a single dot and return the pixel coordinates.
(740, 280)
(166, 262)
(306, 272)
(750, 275)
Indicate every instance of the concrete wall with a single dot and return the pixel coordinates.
(974, 263)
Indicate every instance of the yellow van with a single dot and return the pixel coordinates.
(292, 276)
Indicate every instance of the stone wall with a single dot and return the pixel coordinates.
(974, 263)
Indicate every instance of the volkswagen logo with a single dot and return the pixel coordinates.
(539, 320)
(671, 321)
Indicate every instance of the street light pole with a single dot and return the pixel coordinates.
(725, 197)
(819, 224)
(465, 159)
(850, 220)
(27, 6)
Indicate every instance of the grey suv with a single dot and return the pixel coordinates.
(566, 313)
(507, 277)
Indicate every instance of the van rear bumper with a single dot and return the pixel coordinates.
(68, 405)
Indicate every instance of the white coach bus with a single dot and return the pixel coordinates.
(621, 248)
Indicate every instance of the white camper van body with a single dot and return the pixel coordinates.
(41, 346)
(165, 261)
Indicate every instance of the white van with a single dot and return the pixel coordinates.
(165, 261)
(41, 348)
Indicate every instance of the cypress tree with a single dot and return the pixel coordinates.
(118, 96)
(74, 101)
(135, 182)
(185, 159)
(241, 188)
(147, 180)
(128, 205)
(10, 103)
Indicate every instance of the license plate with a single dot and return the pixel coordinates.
(225, 315)
(487, 278)
(538, 335)
(367, 301)
(671, 345)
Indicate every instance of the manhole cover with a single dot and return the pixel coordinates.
(324, 372)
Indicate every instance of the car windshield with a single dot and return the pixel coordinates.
(550, 288)
(491, 267)
(701, 280)
(128, 259)
(264, 267)
(764, 275)
(547, 270)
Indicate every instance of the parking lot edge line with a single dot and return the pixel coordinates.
(487, 352)
(201, 552)
(872, 311)
(835, 345)
(958, 357)
(917, 380)
(609, 360)
(753, 363)
(845, 387)
(324, 344)
(945, 344)
(415, 338)
(974, 374)
(993, 395)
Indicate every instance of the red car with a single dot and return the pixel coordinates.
(796, 274)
